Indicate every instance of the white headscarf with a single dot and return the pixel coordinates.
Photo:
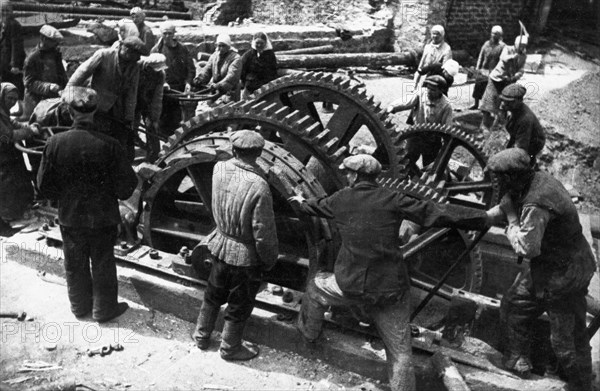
(268, 44)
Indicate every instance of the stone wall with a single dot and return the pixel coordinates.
(468, 22)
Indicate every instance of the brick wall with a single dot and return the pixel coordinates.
(468, 22)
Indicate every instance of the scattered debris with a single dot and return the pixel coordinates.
(50, 346)
(34, 366)
(20, 379)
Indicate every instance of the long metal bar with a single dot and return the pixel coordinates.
(442, 281)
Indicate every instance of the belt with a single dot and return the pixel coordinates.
(235, 238)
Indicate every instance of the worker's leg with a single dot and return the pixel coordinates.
(77, 269)
(394, 329)
(104, 272)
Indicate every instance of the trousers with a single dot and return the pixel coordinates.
(520, 307)
(391, 321)
(235, 285)
(91, 288)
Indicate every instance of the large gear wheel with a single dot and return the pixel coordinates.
(177, 205)
(355, 118)
(459, 165)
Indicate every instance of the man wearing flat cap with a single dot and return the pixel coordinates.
(522, 125)
(114, 74)
(430, 108)
(509, 69)
(180, 73)
(44, 73)
(87, 173)
(244, 245)
(150, 100)
(223, 70)
(369, 271)
(543, 226)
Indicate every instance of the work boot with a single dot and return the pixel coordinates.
(233, 348)
(118, 311)
(205, 325)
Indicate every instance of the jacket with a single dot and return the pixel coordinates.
(117, 91)
(562, 250)
(147, 36)
(525, 131)
(12, 52)
(87, 172)
(368, 218)
(258, 70)
(150, 93)
(181, 66)
(43, 68)
(511, 66)
(243, 210)
(222, 72)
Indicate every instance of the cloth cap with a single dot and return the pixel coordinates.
(436, 81)
(50, 32)
(451, 67)
(247, 139)
(137, 10)
(156, 61)
(362, 163)
(135, 44)
(224, 39)
(509, 160)
(439, 28)
(167, 27)
(497, 29)
(82, 99)
(513, 92)
(521, 40)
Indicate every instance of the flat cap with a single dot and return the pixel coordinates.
(247, 139)
(167, 27)
(436, 81)
(513, 91)
(363, 163)
(509, 160)
(136, 10)
(135, 44)
(81, 99)
(156, 61)
(50, 32)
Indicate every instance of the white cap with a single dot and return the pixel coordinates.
(497, 29)
(451, 67)
(224, 39)
(50, 32)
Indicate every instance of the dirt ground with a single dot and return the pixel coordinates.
(158, 352)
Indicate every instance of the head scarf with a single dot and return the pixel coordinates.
(452, 67)
(440, 29)
(263, 36)
(226, 40)
(5, 89)
(497, 29)
(127, 29)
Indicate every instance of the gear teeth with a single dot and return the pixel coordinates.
(331, 145)
(328, 78)
(339, 155)
(303, 122)
(312, 130)
(273, 108)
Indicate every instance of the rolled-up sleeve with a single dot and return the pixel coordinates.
(526, 238)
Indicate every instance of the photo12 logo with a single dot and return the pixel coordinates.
(54, 332)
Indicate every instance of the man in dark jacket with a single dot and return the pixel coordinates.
(86, 172)
(244, 244)
(44, 73)
(179, 76)
(114, 74)
(543, 226)
(522, 125)
(12, 52)
(369, 271)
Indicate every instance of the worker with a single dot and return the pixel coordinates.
(259, 65)
(12, 51)
(244, 245)
(522, 124)
(16, 187)
(369, 271)
(431, 108)
(447, 70)
(86, 171)
(138, 16)
(114, 75)
(436, 51)
(543, 226)
(222, 71)
(179, 76)
(44, 72)
(150, 100)
(509, 69)
(489, 56)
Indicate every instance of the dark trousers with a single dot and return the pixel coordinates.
(425, 146)
(117, 130)
(94, 289)
(235, 285)
(170, 118)
(391, 321)
(520, 307)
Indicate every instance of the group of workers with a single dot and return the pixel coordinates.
(88, 169)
